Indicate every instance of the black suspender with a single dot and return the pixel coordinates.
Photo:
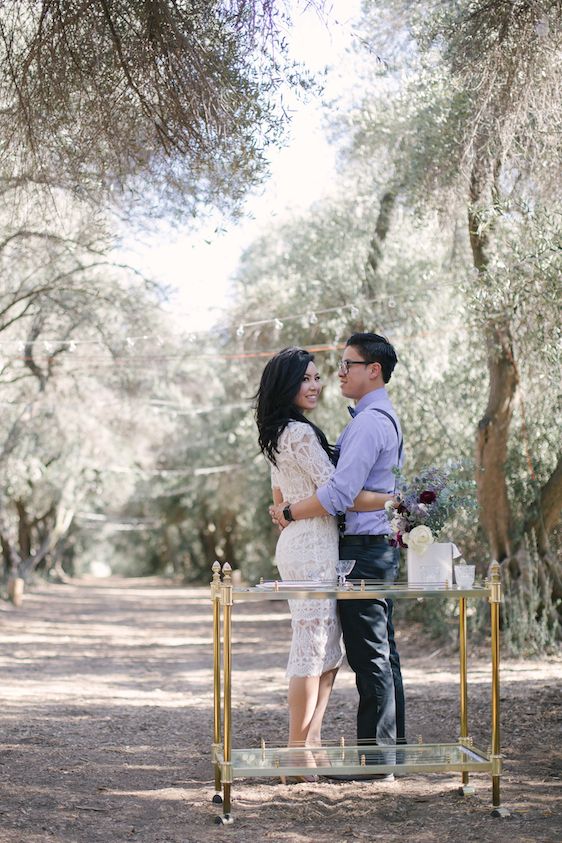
(336, 451)
(395, 426)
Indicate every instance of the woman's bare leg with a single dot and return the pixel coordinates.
(314, 737)
(303, 699)
(325, 686)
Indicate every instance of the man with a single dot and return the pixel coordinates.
(367, 451)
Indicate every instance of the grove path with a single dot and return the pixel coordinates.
(105, 708)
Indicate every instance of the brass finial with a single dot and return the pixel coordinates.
(495, 582)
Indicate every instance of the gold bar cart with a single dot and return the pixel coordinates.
(462, 757)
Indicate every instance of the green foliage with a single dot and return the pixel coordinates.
(530, 615)
(161, 107)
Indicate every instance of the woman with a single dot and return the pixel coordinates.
(299, 456)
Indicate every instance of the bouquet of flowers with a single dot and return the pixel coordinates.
(423, 505)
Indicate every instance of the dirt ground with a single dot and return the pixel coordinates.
(106, 729)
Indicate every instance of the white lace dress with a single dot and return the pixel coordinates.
(307, 550)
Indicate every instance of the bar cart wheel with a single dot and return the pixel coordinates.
(217, 799)
(501, 812)
(224, 819)
(467, 790)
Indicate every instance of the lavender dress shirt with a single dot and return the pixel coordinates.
(368, 452)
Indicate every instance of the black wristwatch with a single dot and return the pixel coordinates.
(287, 514)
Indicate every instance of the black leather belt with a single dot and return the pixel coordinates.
(357, 541)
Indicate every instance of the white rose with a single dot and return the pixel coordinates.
(395, 524)
(389, 506)
(405, 538)
(420, 538)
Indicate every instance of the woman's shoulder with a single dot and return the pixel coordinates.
(295, 431)
(298, 428)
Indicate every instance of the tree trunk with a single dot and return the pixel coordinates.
(491, 443)
(63, 520)
(374, 257)
(542, 523)
(24, 530)
(549, 509)
(493, 428)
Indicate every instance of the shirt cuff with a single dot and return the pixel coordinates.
(323, 495)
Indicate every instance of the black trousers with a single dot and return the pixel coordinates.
(368, 634)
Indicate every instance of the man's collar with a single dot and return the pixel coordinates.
(375, 396)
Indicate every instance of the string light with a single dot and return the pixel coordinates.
(72, 344)
(308, 318)
(312, 317)
(142, 360)
(166, 472)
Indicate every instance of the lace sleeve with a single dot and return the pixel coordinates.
(275, 479)
(309, 453)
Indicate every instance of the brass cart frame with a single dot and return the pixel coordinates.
(462, 757)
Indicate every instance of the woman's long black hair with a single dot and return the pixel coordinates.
(280, 382)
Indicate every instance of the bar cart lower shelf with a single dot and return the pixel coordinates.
(339, 758)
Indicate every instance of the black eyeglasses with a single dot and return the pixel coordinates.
(345, 364)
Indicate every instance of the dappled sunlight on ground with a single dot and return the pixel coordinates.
(107, 722)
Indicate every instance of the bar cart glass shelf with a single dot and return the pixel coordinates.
(339, 758)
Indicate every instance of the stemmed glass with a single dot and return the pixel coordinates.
(343, 568)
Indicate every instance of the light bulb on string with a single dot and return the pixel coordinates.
(312, 318)
(354, 311)
(48, 346)
(130, 342)
(21, 346)
(72, 346)
(278, 325)
(391, 303)
(240, 331)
